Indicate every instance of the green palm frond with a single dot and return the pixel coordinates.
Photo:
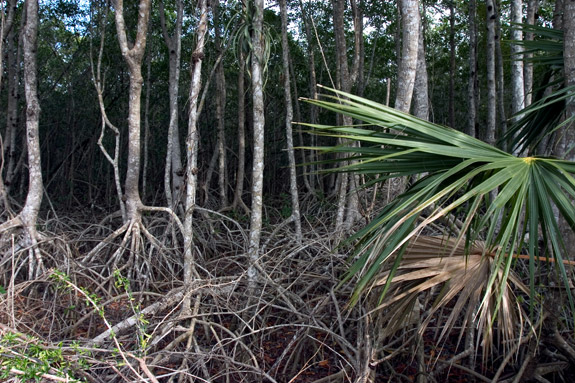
(499, 198)
(545, 115)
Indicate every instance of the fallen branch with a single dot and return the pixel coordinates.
(55, 378)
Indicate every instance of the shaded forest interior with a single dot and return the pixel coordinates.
(200, 191)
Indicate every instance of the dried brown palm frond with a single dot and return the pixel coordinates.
(463, 275)
(501, 197)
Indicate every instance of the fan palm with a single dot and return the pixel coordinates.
(498, 197)
(545, 115)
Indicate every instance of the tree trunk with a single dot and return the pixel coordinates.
(310, 182)
(258, 137)
(452, 65)
(421, 89)
(6, 27)
(295, 216)
(558, 14)
(8, 141)
(146, 125)
(348, 201)
(491, 91)
(473, 86)
(13, 72)
(568, 134)
(29, 213)
(532, 6)
(517, 83)
(220, 113)
(499, 72)
(192, 147)
(517, 70)
(407, 66)
(174, 175)
(98, 81)
(343, 81)
(133, 57)
(241, 171)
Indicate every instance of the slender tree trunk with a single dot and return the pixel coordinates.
(473, 86)
(517, 70)
(98, 81)
(517, 83)
(298, 117)
(568, 134)
(295, 216)
(192, 147)
(240, 174)
(7, 13)
(558, 14)
(356, 76)
(532, 6)
(491, 90)
(173, 175)
(13, 70)
(146, 125)
(348, 202)
(220, 113)
(133, 57)
(499, 73)
(8, 150)
(209, 174)
(343, 81)
(29, 213)
(421, 89)
(258, 146)
(452, 65)
(310, 182)
(407, 67)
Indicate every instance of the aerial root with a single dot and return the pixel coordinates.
(19, 249)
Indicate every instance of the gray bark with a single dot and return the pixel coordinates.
(29, 213)
(257, 65)
(7, 14)
(348, 201)
(13, 73)
(295, 216)
(568, 133)
(452, 65)
(517, 83)
(310, 182)
(98, 81)
(8, 149)
(241, 171)
(491, 91)
(499, 73)
(133, 55)
(220, 113)
(173, 176)
(532, 6)
(407, 66)
(146, 126)
(473, 86)
(343, 81)
(192, 147)
(558, 14)
(421, 90)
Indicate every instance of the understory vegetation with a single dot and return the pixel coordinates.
(93, 321)
(181, 200)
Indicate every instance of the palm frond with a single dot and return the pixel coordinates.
(459, 175)
(544, 116)
(463, 271)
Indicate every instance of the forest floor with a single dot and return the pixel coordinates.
(119, 318)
